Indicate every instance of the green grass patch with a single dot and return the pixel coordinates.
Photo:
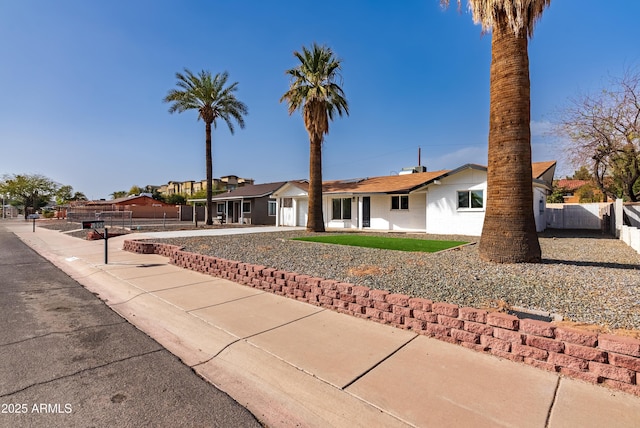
(383, 242)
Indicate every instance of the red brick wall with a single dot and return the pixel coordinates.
(598, 358)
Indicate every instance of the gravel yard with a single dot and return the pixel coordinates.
(586, 277)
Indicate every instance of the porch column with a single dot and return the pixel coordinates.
(277, 212)
(426, 210)
(241, 210)
(359, 212)
(294, 206)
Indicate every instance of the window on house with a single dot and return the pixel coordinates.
(470, 199)
(220, 208)
(287, 202)
(400, 202)
(272, 208)
(341, 209)
(246, 207)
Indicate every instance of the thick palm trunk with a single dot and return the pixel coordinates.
(315, 221)
(209, 161)
(509, 231)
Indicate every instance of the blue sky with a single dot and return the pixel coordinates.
(82, 84)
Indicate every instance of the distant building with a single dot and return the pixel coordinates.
(190, 187)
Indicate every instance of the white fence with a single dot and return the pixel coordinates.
(632, 214)
(595, 216)
(628, 219)
(619, 219)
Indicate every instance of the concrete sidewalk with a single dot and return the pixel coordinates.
(294, 364)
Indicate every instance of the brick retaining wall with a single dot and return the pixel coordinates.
(597, 358)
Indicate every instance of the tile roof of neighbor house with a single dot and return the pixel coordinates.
(250, 191)
(571, 185)
(126, 200)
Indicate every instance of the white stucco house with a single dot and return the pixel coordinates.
(438, 202)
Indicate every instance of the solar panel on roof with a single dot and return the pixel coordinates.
(352, 180)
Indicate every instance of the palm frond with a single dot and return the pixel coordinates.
(209, 95)
(313, 88)
(520, 15)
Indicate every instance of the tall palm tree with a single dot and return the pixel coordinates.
(214, 100)
(314, 90)
(509, 231)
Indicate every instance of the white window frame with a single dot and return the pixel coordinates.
(469, 192)
(400, 199)
(272, 209)
(341, 214)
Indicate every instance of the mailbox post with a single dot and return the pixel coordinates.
(99, 224)
(32, 217)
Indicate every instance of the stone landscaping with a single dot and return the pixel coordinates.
(608, 359)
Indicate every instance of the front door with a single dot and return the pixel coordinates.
(230, 212)
(366, 211)
(236, 212)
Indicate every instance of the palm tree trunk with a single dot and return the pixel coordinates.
(209, 161)
(509, 231)
(315, 221)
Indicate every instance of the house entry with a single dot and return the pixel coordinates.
(235, 212)
(366, 211)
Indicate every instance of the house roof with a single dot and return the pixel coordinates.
(404, 183)
(409, 182)
(571, 185)
(249, 191)
(540, 168)
(385, 184)
(126, 200)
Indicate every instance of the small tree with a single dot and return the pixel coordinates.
(176, 199)
(588, 193)
(202, 194)
(155, 192)
(557, 195)
(135, 190)
(602, 131)
(65, 194)
(582, 174)
(30, 191)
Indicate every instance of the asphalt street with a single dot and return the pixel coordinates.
(67, 360)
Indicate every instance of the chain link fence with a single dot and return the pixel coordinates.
(122, 219)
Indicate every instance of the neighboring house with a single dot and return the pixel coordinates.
(575, 190)
(439, 202)
(249, 204)
(141, 206)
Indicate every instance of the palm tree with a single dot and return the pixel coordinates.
(509, 231)
(213, 99)
(313, 89)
